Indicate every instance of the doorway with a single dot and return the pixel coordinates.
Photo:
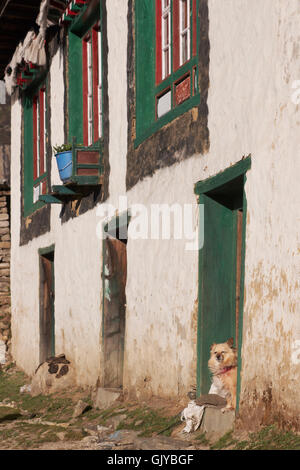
(47, 289)
(114, 276)
(221, 265)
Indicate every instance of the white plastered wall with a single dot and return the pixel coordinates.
(78, 250)
(254, 53)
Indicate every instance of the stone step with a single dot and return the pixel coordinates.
(216, 423)
(106, 397)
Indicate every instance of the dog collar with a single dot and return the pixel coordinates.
(225, 369)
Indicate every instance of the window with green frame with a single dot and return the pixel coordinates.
(85, 77)
(167, 62)
(35, 117)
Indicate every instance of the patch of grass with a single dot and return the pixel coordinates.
(10, 384)
(268, 438)
(271, 438)
(224, 442)
(149, 422)
(75, 434)
(202, 439)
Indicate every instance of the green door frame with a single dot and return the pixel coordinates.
(200, 189)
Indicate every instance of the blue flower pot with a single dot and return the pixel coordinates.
(64, 164)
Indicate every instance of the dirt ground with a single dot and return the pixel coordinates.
(69, 421)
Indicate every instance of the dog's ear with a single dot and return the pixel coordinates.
(214, 344)
(230, 342)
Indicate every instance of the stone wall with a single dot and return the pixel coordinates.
(5, 300)
(4, 274)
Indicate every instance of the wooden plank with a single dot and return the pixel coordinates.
(183, 90)
(61, 189)
(88, 157)
(48, 199)
(87, 171)
(239, 240)
(114, 312)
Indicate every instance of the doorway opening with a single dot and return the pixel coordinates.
(114, 276)
(221, 266)
(47, 317)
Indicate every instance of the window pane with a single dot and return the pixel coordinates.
(166, 62)
(184, 48)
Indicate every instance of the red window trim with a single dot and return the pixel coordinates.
(35, 104)
(39, 151)
(93, 36)
(175, 49)
(42, 131)
(95, 46)
(176, 33)
(39, 133)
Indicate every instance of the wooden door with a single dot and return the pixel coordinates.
(47, 334)
(115, 273)
(218, 281)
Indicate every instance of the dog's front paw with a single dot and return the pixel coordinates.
(227, 408)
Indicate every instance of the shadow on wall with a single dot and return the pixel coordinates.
(4, 137)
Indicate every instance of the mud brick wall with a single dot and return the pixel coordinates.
(5, 309)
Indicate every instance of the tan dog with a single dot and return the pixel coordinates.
(223, 365)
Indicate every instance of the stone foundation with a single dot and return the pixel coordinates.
(5, 304)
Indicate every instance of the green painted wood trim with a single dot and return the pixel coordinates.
(183, 70)
(61, 189)
(46, 250)
(145, 64)
(28, 181)
(85, 180)
(168, 117)
(146, 89)
(200, 316)
(40, 178)
(75, 104)
(224, 176)
(241, 305)
(200, 188)
(28, 156)
(49, 199)
(53, 308)
(91, 166)
(80, 25)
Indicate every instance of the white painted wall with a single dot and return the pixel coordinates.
(78, 251)
(254, 52)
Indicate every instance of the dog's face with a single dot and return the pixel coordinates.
(222, 355)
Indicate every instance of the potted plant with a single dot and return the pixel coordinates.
(63, 154)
